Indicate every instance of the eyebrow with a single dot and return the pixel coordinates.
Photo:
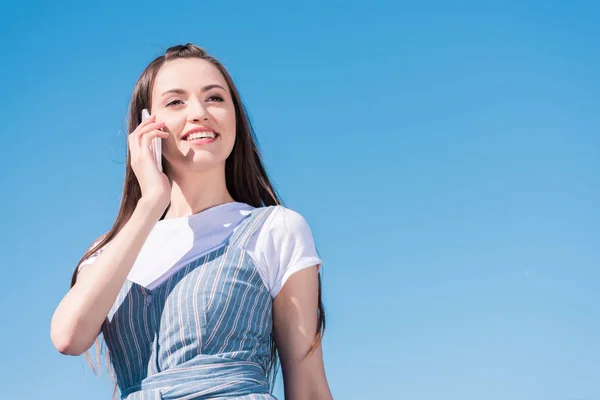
(204, 89)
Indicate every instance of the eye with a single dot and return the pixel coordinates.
(174, 103)
(215, 97)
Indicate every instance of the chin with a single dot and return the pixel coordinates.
(205, 167)
(202, 163)
(196, 160)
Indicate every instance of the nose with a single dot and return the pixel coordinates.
(197, 112)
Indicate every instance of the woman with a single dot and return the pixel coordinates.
(203, 277)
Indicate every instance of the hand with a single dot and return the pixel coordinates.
(155, 186)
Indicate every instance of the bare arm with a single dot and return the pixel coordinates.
(79, 316)
(295, 323)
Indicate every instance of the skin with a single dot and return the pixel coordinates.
(193, 181)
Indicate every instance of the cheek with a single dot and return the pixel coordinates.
(173, 123)
(226, 119)
(174, 126)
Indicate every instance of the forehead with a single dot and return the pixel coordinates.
(190, 74)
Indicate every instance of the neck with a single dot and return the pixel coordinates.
(194, 192)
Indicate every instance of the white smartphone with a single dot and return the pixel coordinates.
(156, 145)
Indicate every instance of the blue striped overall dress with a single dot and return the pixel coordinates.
(204, 333)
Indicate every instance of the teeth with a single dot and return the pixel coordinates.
(201, 135)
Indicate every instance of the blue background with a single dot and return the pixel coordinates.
(446, 156)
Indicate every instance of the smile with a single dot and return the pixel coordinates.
(200, 135)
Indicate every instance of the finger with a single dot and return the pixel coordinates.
(144, 124)
(147, 121)
(148, 128)
(147, 141)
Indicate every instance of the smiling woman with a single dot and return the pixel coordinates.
(205, 280)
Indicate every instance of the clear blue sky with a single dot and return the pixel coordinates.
(446, 157)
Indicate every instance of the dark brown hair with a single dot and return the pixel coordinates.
(245, 175)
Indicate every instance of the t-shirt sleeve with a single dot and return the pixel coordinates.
(286, 246)
(92, 258)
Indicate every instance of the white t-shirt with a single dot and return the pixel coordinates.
(282, 246)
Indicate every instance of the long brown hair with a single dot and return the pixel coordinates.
(245, 175)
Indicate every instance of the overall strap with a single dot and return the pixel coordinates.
(249, 225)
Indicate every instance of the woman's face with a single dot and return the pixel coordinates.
(192, 98)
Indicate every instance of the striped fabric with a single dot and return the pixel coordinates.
(204, 333)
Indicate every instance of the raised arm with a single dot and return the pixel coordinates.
(79, 316)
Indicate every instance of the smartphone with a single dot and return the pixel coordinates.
(156, 145)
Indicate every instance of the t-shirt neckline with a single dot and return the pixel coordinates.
(210, 210)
